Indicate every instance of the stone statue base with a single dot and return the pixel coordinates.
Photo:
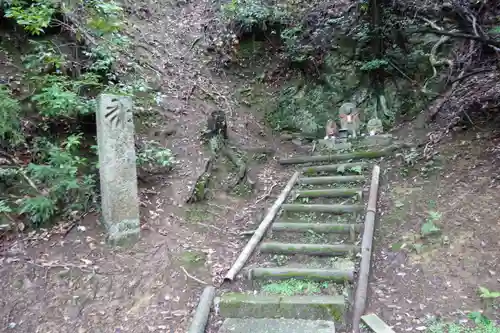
(334, 144)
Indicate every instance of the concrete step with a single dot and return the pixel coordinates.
(240, 305)
(237, 325)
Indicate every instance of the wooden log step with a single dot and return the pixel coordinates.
(334, 168)
(330, 193)
(329, 180)
(316, 227)
(283, 273)
(336, 157)
(308, 249)
(318, 208)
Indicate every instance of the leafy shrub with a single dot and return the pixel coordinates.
(33, 16)
(248, 15)
(301, 109)
(153, 155)
(57, 176)
(10, 112)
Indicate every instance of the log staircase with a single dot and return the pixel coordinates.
(310, 241)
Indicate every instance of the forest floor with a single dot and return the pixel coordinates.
(420, 279)
(54, 281)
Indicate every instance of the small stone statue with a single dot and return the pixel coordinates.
(349, 118)
(374, 126)
(331, 130)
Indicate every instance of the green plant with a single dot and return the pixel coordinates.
(39, 209)
(10, 113)
(153, 154)
(293, 287)
(33, 16)
(482, 325)
(106, 17)
(60, 96)
(485, 293)
(43, 57)
(429, 227)
(253, 14)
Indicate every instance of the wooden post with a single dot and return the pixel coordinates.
(366, 252)
(261, 230)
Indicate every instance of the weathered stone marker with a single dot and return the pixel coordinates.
(117, 167)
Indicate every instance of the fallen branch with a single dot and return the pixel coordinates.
(267, 194)
(192, 277)
(482, 39)
(16, 161)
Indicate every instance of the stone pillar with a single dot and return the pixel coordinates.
(117, 168)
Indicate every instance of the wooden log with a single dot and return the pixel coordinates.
(317, 227)
(308, 249)
(333, 167)
(261, 230)
(366, 252)
(330, 193)
(282, 273)
(330, 180)
(336, 157)
(376, 324)
(339, 209)
(202, 312)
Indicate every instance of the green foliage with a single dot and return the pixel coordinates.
(301, 109)
(482, 325)
(374, 65)
(5, 207)
(57, 176)
(59, 96)
(43, 56)
(10, 112)
(33, 16)
(106, 17)
(152, 154)
(293, 287)
(253, 14)
(429, 226)
(485, 293)
(295, 50)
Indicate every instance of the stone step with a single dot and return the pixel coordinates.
(240, 305)
(238, 325)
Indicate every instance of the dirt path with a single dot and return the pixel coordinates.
(418, 280)
(58, 282)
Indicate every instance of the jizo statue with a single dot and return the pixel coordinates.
(331, 130)
(374, 126)
(349, 118)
